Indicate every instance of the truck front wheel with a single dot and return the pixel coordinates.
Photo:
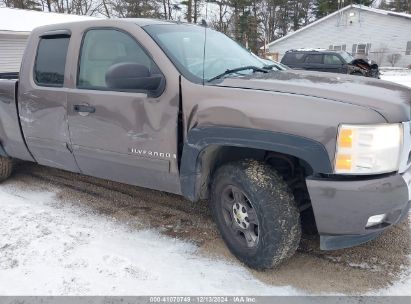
(6, 166)
(256, 213)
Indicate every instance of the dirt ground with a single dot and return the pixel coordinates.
(366, 268)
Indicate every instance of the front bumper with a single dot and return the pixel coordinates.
(342, 207)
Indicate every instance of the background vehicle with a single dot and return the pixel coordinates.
(329, 61)
(159, 105)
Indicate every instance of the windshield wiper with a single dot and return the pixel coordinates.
(233, 71)
(269, 66)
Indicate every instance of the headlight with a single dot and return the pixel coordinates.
(368, 149)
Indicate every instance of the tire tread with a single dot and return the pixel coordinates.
(280, 211)
(6, 168)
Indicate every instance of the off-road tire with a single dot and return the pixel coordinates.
(6, 167)
(279, 228)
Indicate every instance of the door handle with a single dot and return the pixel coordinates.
(83, 109)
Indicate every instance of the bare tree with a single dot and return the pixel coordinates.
(221, 21)
(379, 54)
(393, 59)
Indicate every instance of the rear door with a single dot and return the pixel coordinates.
(43, 100)
(314, 62)
(122, 135)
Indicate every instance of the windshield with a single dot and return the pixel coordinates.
(347, 57)
(184, 45)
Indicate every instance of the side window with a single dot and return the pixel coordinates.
(51, 61)
(354, 50)
(342, 47)
(293, 58)
(104, 48)
(361, 49)
(332, 59)
(314, 58)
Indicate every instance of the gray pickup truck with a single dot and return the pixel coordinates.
(184, 109)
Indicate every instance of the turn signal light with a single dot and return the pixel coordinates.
(343, 162)
(345, 138)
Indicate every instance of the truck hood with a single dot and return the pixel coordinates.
(391, 100)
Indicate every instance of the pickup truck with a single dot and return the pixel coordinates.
(184, 109)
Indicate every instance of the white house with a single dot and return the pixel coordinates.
(360, 30)
(15, 27)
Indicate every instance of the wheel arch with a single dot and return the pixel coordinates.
(208, 147)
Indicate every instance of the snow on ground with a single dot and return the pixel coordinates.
(400, 288)
(400, 76)
(47, 248)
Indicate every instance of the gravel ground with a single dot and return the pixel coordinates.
(371, 268)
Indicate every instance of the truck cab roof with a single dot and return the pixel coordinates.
(142, 22)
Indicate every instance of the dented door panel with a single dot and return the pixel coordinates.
(129, 136)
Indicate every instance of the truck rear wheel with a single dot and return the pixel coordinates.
(256, 213)
(6, 166)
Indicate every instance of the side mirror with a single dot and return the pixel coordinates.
(128, 76)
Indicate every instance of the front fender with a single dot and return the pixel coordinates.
(311, 151)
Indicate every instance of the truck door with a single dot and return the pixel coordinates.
(120, 131)
(332, 64)
(43, 100)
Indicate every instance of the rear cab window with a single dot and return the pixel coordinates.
(50, 61)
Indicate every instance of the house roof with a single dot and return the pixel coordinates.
(361, 7)
(18, 20)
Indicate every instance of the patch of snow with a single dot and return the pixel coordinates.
(20, 20)
(401, 287)
(399, 75)
(387, 68)
(334, 259)
(310, 50)
(365, 266)
(51, 248)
